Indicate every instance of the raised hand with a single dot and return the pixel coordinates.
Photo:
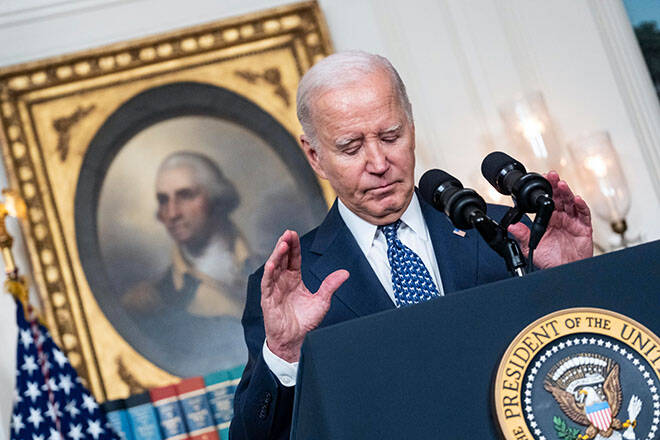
(569, 236)
(290, 310)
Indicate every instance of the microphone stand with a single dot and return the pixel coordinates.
(496, 237)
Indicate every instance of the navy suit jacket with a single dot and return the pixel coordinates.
(262, 406)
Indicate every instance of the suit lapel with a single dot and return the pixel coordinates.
(337, 249)
(456, 255)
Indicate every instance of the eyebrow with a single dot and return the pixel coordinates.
(345, 141)
(392, 129)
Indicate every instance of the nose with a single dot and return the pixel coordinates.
(376, 157)
(171, 210)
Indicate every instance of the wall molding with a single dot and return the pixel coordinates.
(632, 79)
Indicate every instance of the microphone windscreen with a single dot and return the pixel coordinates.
(493, 165)
(433, 179)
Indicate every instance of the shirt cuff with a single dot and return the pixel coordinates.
(284, 371)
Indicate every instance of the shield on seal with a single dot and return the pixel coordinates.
(600, 415)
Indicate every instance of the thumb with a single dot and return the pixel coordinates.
(331, 283)
(521, 233)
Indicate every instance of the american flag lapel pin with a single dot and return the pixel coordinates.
(459, 232)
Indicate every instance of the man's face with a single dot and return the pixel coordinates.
(366, 147)
(183, 206)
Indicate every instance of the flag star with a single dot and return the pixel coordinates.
(562, 345)
(585, 340)
(592, 341)
(608, 344)
(630, 356)
(35, 417)
(533, 424)
(650, 382)
(65, 383)
(537, 431)
(29, 365)
(600, 342)
(76, 432)
(17, 423)
(623, 351)
(37, 437)
(26, 338)
(615, 347)
(576, 341)
(89, 403)
(94, 428)
(530, 416)
(51, 384)
(60, 358)
(32, 391)
(555, 349)
(71, 409)
(636, 361)
(53, 411)
(528, 401)
(653, 389)
(528, 409)
(54, 435)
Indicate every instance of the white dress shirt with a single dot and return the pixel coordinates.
(412, 232)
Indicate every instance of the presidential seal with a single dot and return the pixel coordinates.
(580, 374)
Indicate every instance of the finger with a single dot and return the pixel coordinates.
(563, 197)
(521, 233)
(295, 258)
(582, 209)
(273, 266)
(553, 177)
(331, 283)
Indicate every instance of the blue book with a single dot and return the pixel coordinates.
(196, 409)
(170, 414)
(221, 387)
(115, 410)
(142, 417)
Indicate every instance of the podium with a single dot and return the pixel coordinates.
(426, 371)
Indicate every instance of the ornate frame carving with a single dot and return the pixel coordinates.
(49, 112)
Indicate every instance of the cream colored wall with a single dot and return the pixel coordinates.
(461, 59)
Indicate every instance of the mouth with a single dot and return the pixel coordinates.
(386, 187)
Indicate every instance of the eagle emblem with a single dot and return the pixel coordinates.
(588, 390)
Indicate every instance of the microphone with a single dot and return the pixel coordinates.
(531, 192)
(447, 194)
(467, 209)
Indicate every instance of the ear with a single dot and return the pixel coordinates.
(312, 157)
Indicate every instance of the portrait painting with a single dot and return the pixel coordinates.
(189, 187)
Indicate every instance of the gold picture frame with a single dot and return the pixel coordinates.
(51, 111)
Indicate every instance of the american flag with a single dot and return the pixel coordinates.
(50, 403)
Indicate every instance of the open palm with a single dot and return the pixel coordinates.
(290, 310)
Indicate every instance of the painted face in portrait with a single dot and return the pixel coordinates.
(183, 206)
(366, 147)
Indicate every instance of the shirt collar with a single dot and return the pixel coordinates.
(364, 232)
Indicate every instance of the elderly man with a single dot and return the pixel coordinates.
(192, 311)
(360, 136)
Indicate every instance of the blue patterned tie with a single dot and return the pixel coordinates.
(411, 279)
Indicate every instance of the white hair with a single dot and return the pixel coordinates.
(338, 70)
(207, 174)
